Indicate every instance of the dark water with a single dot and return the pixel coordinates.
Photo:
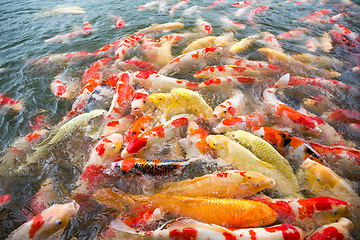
(23, 34)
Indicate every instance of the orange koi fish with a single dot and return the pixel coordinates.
(225, 71)
(125, 46)
(226, 82)
(95, 71)
(309, 213)
(216, 3)
(343, 40)
(194, 59)
(344, 30)
(47, 224)
(122, 97)
(65, 38)
(245, 122)
(340, 230)
(234, 106)
(139, 126)
(160, 83)
(158, 134)
(229, 184)
(188, 228)
(108, 50)
(231, 213)
(140, 166)
(242, 4)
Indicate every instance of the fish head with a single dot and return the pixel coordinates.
(54, 219)
(125, 166)
(256, 181)
(159, 99)
(218, 142)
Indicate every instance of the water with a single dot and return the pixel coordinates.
(23, 35)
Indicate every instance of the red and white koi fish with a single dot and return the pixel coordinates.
(254, 13)
(174, 38)
(120, 104)
(193, 11)
(340, 230)
(203, 26)
(140, 102)
(194, 59)
(158, 28)
(260, 66)
(63, 58)
(108, 50)
(293, 34)
(344, 160)
(160, 83)
(62, 88)
(244, 44)
(4, 199)
(302, 2)
(344, 30)
(316, 15)
(339, 17)
(245, 122)
(312, 44)
(356, 69)
(137, 65)
(228, 24)
(234, 106)
(270, 41)
(157, 135)
(340, 115)
(309, 213)
(51, 222)
(10, 105)
(141, 125)
(126, 45)
(149, 5)
(140, 166)
(215, 4)
(95, 71)
(242, 4)
(177, 6)
(346, 42)
(188, 228)
(226, 82)
(241, 12)
(349, 3)
(65, 38)
(225, 71)
(119, 22)
(118, 126)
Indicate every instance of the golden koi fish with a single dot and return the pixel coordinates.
(232, 213)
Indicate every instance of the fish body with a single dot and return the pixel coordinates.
(125, 46)
(63, 58)
(225, 71)
(119, 22)
(229, 184)
(194, 59)
(108, 50)
(340, 115)
(264, 151)
(203, 26)
(181, 100)
(63, 88)
(228, 24)
(64, 10)
(9, 104)
(270, 41)
(149, 5)
(140, 102)
(245, 122)
(244, 160)
(137, 65)
(155, 28)
(293, 34)
(51, 222)
(346, 42)
(177, 6)
(336, 231)
(4, 199)
(255, 12)
(225, 212)
(318, 104)
(259, 66)
(200, 43)
(316, 15)
(95, 71)
(118, 126)
(65, 38)
(234, 106)
(226, 82)
(142, 124)
(319, 61)
(242, 4)
(160, 83)
(244, 44)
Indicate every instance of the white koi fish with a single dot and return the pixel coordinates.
(234, 106)
(65, 38)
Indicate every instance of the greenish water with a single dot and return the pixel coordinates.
(22, 36)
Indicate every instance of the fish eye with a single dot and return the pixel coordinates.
(160, 99)
(224, 111)
(318, 179)
(144, 101)
(123, 172)
(58, 222)
(113, 146)
(334, 211)
(257, 184)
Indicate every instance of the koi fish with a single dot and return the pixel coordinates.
(293, 34)
(226, 82)
(139, 166)
(270, 41)
(181, 100)
(241, 11)
(125, 46)
(242, 4)
(65, 10)
(235, 106)
(140, 102)
(244, 44)
(200, 43)
(178, 6)
(157, 135)
(63, 58)
(355, 127)
(9, 104)
(229, 184)
(186, 228)
(139, 126)
(319, 61)
(312, 44)
(149, 5)
(233, 213)
(226, 40)
(244, 160)
(228, 24)
(356, 69)
(309, 213)
(292, 147)
(349, 3)
(345, 42)
(137, 65)
(338, 230)
(51, 222)
(340, 115)
(62, 88)
(194, 59)
(245, 122)
(95, 71)
(108, 50)
(122, 97)
(344, 30)
(292, 65)
(65, 38)
(119, 22)
(265, 152)
(316, 15)
(339, 17)
(225, 71)
(254, 13)
(216, 4)
(325, 182)
(165, 27)
(160, 83)
(203, 26)
(4, 199)
(341, 159)
(164, 55)
(118, 126)
(259, 66)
